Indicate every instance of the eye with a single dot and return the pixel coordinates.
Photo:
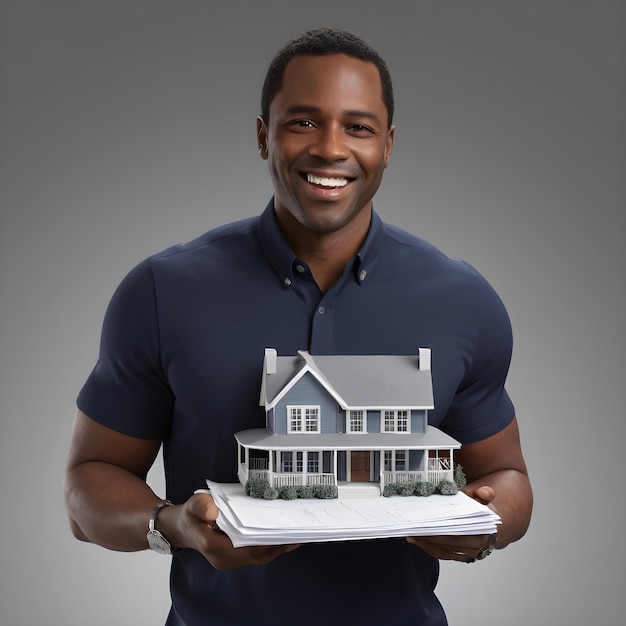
(301, 125)
(360, 129)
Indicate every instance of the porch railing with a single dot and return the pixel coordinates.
(433, 476)
(277, 479)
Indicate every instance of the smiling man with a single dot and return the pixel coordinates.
(327, 139)
(183, 344)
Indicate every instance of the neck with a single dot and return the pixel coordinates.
(326, 253)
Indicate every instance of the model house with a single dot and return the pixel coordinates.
(346, 420)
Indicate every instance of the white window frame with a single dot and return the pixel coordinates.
(313, 461)
(298, 422)
(391, 460)
(286, 462)
(392, 419)
(363, 421)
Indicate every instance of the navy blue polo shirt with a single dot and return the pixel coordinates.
(181, 358)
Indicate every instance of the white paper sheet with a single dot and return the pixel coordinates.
(250, 521)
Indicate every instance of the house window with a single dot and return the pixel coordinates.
(304, 419)
(395, 421)
(395, 460)
(313, 463)
(400, 460)
(287, 462)
(356, 421)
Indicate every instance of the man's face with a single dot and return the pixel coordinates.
(327, 142)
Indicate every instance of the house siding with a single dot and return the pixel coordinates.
(418, 421)
(373, 421)
(308, 391)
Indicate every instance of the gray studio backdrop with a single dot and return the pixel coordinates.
(129, 125)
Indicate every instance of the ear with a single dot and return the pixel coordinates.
(261, 137)
(389, 146)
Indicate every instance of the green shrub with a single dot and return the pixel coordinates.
(325, 492)
(270, 493)
(288, 492)
(305, 492)
(406, 489)
(459, 477)
(390, 489)
(256, 487)
(425, 488)
(447, 488)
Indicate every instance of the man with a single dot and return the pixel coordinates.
(183, 343)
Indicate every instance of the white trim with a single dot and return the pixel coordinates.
(279, 396)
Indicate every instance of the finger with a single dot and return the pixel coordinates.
(484, 494)
(225, 557)
(464, 549)
(204, 507)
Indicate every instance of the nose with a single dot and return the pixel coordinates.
(330, 144)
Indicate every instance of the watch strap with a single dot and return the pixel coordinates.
(155, 513)
(156, 540)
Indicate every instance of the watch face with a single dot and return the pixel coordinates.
(158, 543)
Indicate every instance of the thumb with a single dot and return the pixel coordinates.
(484, 494)
(203, 506)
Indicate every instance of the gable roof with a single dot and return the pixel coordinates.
(356, 382)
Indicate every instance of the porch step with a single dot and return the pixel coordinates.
(358, 490)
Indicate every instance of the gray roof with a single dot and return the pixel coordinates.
(264, 439)
(364, 381)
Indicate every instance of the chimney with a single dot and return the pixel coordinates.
(270, 360)
(424, 359)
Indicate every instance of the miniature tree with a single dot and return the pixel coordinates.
(459, 477)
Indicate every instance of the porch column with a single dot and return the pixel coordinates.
(270, 465)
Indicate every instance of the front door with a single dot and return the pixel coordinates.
(360, 466)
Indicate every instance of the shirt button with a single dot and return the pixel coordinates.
(362, 275)
(300, 268)
(321, 310)
(287, 281)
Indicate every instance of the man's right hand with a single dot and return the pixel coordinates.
(193, 525)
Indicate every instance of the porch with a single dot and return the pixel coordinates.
(282, 479)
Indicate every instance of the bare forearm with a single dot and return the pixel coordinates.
(513, 501)
(108, 506)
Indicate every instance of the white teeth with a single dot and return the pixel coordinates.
(327, 182)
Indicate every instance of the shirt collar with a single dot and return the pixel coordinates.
(283, 259)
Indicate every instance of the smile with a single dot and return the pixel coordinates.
(324, 181)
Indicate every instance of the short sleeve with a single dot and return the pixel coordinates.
(127, 389)
(481, 406)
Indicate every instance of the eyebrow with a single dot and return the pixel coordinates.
(304, 108)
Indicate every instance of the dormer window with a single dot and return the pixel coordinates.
(304, 419)
(395, 421)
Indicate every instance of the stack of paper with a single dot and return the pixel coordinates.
(250, 521)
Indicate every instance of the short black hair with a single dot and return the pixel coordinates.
(320, 42)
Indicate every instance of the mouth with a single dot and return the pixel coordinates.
(327, 182)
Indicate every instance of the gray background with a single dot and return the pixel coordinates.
(129, 125)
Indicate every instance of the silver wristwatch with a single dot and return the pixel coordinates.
(156, 541)
(491, 546)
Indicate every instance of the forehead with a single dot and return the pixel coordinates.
(335, 81)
